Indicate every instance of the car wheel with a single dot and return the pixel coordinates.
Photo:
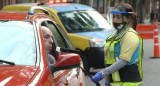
(85, 62)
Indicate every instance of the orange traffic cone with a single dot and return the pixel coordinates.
(156, 42)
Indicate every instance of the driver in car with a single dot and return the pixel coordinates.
(48, 41)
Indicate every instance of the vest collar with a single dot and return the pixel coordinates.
(124, 30)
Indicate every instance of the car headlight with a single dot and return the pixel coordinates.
(96, 42)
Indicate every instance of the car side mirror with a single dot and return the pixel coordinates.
(66, 61)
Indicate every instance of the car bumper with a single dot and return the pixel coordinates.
(95, 56)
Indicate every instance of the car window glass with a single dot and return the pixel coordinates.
(59, 38)
(65, 36)
(83, 21)
(17, 42)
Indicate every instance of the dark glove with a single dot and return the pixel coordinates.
(107, 84)
(97, 77)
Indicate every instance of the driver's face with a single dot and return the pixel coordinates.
(48, 39)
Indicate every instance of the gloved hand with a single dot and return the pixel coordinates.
(107, 84)
(97, 77)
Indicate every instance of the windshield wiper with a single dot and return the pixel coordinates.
(11, 63)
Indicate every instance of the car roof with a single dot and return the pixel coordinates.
(60, 7)
(8, 15)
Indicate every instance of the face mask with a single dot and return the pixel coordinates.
(119, 26)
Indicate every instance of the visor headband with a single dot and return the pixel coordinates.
(115, 12)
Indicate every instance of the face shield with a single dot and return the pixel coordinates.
(119, 21)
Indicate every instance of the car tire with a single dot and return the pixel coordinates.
(85, 62)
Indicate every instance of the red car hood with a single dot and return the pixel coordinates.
(16, 75)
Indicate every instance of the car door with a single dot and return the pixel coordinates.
(67, 77)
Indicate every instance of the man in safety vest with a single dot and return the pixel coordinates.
(123, 51)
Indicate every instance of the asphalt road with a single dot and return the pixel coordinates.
(151, 66)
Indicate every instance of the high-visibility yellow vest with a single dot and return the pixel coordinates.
(111, 53)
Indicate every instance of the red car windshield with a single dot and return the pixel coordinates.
(17, 42)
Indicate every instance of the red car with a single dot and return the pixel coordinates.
(23, 60)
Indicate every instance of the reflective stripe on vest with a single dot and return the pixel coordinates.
(140, 57)
(125, 84)
(116, 76)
